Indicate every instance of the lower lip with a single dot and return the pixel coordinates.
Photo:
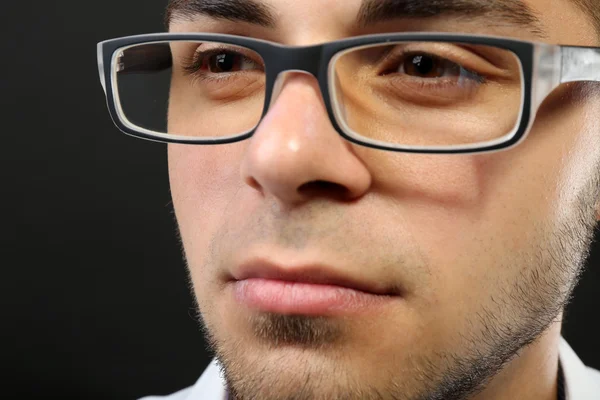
(283, 297)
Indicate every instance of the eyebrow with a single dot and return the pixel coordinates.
(496, 12)
(251, 11)
(511, 12)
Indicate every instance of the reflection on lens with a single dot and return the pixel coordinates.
(428, 93)
(203, 90)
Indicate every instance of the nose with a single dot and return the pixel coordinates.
(295, 153)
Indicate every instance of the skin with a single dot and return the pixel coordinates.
(486, 248)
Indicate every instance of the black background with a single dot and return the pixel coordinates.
(94, 293)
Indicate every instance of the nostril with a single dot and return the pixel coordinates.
(253, 183)
(324, 189)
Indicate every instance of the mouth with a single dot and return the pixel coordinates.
(313, 290)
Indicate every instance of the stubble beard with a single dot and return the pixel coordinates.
(550, 272)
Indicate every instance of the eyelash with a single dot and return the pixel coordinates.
(193, 64)
(398, 59)
(193, 67)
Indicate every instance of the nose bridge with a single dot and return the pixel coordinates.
(279, 83)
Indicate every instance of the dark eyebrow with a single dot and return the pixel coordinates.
(251, 11)
(496, 12)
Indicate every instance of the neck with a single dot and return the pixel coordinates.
(533, 374)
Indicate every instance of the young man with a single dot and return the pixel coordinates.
(401, 215)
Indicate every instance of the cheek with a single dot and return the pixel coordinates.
(204, 180)
(579, 163)
(554, 166)
(194, 112)
(441, 198)
(476, 217)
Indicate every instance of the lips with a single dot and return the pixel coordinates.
(305, 289)
(309, 274)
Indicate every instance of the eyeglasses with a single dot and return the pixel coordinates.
(408, 92)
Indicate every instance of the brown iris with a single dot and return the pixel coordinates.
(224, 62)
(428, 66)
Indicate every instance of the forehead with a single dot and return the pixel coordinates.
(555, 21)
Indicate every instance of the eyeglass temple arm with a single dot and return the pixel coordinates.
(580, 64)
(561, 64)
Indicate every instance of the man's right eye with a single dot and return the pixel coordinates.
(219, 61)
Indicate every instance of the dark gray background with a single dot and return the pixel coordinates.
(94, 294)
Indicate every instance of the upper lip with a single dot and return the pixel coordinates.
(308, 273)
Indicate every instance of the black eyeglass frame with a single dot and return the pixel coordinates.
(550, 64)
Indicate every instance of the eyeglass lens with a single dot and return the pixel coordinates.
(402, 93)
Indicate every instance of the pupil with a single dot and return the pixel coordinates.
(423, 65)
(224, 62)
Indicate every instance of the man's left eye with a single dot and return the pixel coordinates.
(227, 62)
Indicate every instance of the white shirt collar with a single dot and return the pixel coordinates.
(580, 382)
(211, 385)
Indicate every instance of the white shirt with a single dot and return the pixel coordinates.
(580, 382)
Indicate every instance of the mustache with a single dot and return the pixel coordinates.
(296, 228)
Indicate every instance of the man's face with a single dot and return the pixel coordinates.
(464, 259)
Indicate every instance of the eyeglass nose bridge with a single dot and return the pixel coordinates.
(289, 61)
